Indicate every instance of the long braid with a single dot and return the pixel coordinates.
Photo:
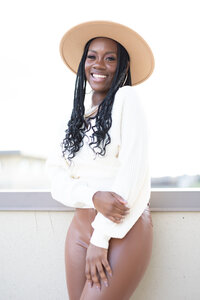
(77, 126)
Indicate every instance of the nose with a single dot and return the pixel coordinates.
(99, 64)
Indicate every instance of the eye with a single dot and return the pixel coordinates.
(111, 58)
(91, 56)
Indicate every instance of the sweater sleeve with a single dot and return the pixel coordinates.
(130, 178)
(66, 188)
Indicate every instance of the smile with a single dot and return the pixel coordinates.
(98, 75)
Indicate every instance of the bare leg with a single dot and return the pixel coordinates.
(129, 258)
(76, 244)
(75, 254)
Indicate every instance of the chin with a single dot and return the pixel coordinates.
(99, 89)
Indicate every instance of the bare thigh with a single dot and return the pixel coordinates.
(128, 257)
(76, 244)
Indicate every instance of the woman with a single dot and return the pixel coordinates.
(102, 169)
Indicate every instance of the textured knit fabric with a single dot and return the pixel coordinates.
(123, 170)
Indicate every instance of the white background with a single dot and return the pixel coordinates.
(36, 89)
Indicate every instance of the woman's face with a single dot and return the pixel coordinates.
(101, 64)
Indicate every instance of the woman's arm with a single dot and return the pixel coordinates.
(133, 174)
(73, 192)
(66, 189)
(132, 178)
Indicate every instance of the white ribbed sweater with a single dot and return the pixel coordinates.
(123, 170)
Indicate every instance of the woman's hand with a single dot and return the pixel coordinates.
(96, 265)
(111, 205)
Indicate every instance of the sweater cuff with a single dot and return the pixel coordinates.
(100, 240)
(84, 193)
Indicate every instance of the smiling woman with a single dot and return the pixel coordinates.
(106, 70)
(100, 66)
(109, 242)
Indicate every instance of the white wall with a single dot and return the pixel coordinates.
(32, 256)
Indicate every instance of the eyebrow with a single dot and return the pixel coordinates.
(109, 52)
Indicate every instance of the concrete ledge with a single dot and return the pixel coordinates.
(32, 264)
(161, 200)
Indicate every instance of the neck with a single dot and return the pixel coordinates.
(97, 98)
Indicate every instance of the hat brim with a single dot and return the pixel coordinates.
(141, 57)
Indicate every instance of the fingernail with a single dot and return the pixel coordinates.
(106, 283)
(98, 287)
(110, 274)
(90, 283)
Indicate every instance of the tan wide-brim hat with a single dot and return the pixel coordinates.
(141, 57)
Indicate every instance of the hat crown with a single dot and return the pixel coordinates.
(141, 57)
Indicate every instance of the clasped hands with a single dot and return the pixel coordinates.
(97, 267)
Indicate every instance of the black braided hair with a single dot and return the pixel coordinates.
(77, 126)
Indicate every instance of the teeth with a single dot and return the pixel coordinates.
(99, 76)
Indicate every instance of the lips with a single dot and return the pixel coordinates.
(98, 77)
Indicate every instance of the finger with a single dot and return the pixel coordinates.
(87, 274)
(121, 205)
(95, 278)
(123, 201)
(102, 274)
(114, 220)
(118, 217)
(107, 266)
(120, 199)
(120, 211)
(117, 196)
(119, 220)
